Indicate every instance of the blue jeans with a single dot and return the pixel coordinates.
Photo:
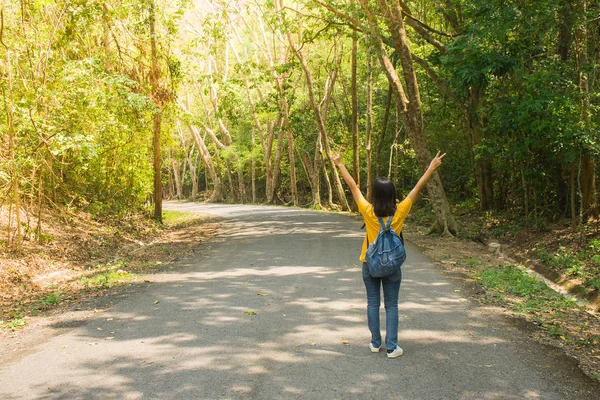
(391, 292)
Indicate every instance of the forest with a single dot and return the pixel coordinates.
(109, 107)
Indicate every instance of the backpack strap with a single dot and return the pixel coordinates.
(385, 226)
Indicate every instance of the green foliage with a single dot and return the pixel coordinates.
(556, 330)
(563, 259)
(528, 104)
(82, 107)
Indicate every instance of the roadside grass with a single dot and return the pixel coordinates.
(574, 255)
(178, 218)
(148, 265)
(17, 318)
(529, 296)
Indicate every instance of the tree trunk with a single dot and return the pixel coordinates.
(355, 150)
(240, 172)
(154, 80)
(169, 192)
(230, 180)
(369, 127)
(177, 178)
(182, 179)
(193, 176)
(272, 197)
(292, 159)
(483, 167)
(217, 194)
(314, 180)
(40, 191)
(565, 33)
(269, 165)
(329, 188)
(266, 140)
(589, 202)
(14, 170)
(384, 126)
(573, 197)
(280, 83)
(253, 167)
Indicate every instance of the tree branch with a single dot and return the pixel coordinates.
(353, 22)
(422, 29)
(2, 27)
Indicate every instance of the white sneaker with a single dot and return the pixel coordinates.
(396, 353)
(373, 348)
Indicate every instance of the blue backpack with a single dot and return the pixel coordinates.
(386, 254)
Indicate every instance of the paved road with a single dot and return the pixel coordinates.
(194, 335)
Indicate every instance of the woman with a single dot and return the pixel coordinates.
(384, 205)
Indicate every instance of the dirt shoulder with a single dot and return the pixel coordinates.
(83, 267)
(574, 329)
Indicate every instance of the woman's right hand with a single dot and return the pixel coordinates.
(336, 158)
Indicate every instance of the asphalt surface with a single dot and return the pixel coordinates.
(274, 308)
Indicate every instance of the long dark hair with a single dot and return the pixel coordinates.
(384, 197)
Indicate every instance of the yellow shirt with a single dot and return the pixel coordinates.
(372, 223)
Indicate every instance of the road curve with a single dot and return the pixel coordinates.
(274, 308)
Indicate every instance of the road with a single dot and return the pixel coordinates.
(274, 308)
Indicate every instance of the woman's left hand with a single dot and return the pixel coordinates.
(437, 161)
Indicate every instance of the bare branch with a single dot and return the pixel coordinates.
(213, 137)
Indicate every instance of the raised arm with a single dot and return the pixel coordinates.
(436, 162)
(337, 159)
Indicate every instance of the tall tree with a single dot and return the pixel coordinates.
(323, 137)
(589, 201)
(354, 94)
(155, 75)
